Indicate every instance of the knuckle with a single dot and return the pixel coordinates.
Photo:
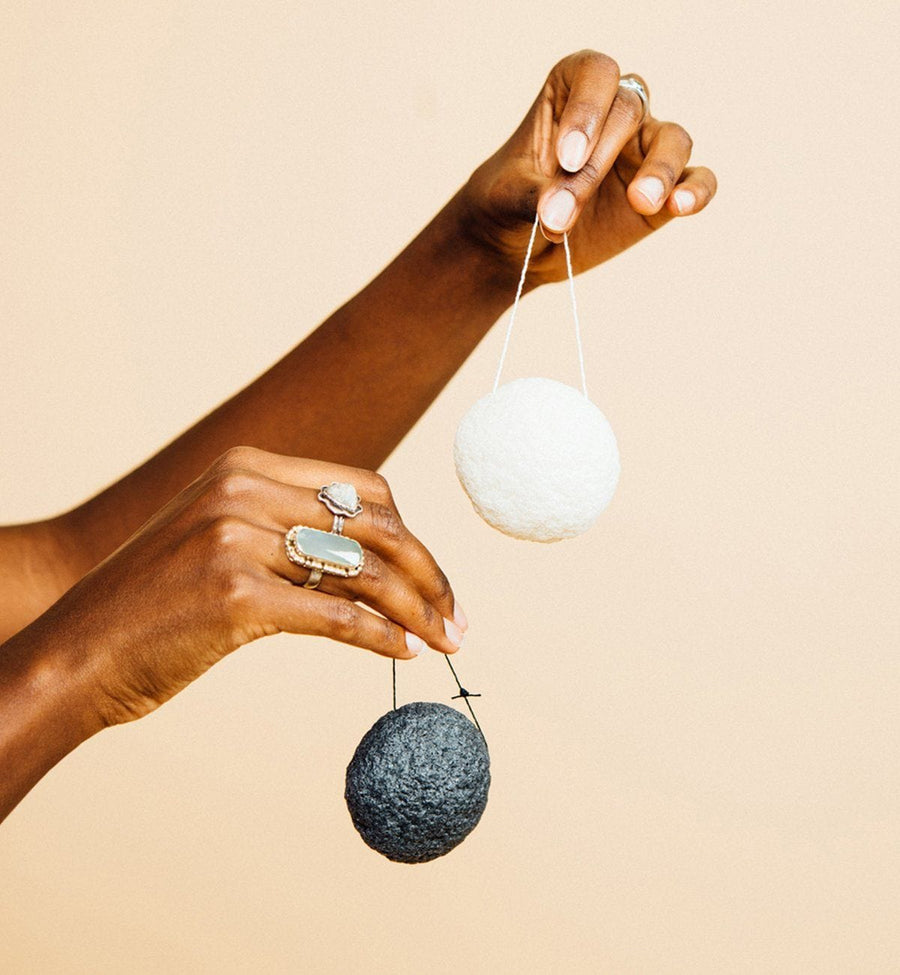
(580, 109)
(343, 618)
(373, 571)
(387, 523)
(237, 595)
(562, 63)
(611, 68)
(226, 533)
(684, 137)
(627, 107)
(380, 488)
(442, 588)
(665, 171)
(599, 61)
(589, 59)
(229, 485)
(703, 194)
(431, 617)
(587, 177)
(240, 456)
(389, 633)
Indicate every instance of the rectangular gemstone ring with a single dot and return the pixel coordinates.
(335, 555)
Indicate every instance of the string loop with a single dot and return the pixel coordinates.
(515, 308)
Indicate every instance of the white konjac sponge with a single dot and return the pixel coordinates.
(537, 459)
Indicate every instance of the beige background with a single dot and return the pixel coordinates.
(692, 709)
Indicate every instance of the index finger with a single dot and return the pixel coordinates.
(307, 472)
(592, 80)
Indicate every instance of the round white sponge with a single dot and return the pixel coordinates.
(537, 459)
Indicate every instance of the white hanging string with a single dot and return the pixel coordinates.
(575, 315)
(515, 308)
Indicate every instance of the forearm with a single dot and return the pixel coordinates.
(45, 711)
(348, 393)
(34, 572)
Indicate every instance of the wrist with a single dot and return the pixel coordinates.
(50, 666)
(46, 708)
(472, 234)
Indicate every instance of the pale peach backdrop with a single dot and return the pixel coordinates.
(692, 709)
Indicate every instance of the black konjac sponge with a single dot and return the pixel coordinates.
(418, 782)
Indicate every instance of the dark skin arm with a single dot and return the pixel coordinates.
(119, 603)
(348, 393)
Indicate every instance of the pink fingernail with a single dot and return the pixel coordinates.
(652, 190)
(454, 633)
(572, 151)
(684, 200)
(415, 644)
(558, 210)
(459, 617)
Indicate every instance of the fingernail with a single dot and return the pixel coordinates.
(459, 617)
(414, 643)
(572, 151)
(684, 200)
(558, 210)
(454, 633)
(651, 188)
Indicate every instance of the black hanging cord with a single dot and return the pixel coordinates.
(463, 693)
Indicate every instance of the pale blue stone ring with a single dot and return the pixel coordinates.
(323, 552)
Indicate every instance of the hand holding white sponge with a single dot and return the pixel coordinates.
(537, 459)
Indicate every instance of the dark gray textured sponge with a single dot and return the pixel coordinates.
(418, 782)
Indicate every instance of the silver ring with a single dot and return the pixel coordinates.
(341, 499)
(315, 577)
(328, 553)
(632, 84)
